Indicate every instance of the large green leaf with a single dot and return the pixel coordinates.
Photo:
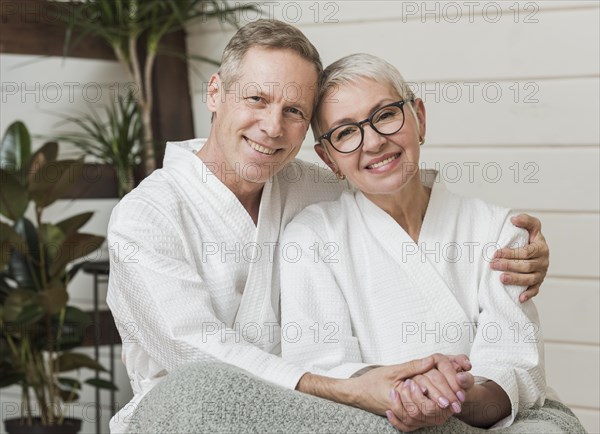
(10, 377)
(46, 154)
(70, 361)
(24, 268)
(101, 384)
(15, 148)
(71, 383)
(9, 239)
(53, 237)
(53, 180)
(75, 246)
(13, 196)
(54, 299)
(72, 224)
(17, 310)
(72, 334)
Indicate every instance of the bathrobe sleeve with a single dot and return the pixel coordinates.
(316, 328)
(168, 304)
(508, 345)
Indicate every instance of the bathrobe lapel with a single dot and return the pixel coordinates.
(260, 300)
(411, 257)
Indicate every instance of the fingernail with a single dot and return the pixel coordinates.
(462, 377)
(506, 278)
(524, 299)
(460, 396)
(388, 413)
(407, 383)
(424, 390)
(413, 388)
(393, 395)
(456, 407)
(444, 403)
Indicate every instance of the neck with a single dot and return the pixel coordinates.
(407, 206)
(247, 192)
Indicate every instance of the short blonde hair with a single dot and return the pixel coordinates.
(351, 68)
(266, 34)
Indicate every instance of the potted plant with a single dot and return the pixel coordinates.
(135, 29)
(38, 328)
(115, 140)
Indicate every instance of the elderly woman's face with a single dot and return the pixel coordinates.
(384, 164)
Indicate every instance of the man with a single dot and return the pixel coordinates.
(202, 285)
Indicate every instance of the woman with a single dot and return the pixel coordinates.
(399, 269)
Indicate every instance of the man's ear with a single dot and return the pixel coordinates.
(324, 155)
(213, 92)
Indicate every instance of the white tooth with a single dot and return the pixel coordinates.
(260, 148)
(381, 163)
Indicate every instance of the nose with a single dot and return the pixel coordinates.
(272, 122)
(372, 140)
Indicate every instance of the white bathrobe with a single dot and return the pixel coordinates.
(193, 279)
(362, 292)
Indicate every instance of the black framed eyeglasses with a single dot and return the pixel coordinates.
(386, 120)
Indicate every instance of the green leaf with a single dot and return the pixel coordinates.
(9, 239)
(46, 154)
(71, 383)
(24, 266)
(13, 196)
(73, 331)
(15, 147)
(53, 180)
(101, 384)
(14, 305)
(70, 361)
(72, 224)
(54, 299)
(29, 315)
(75, 246)
(53, 238)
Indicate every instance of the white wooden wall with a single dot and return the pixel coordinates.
(512, 92)
(35, 90)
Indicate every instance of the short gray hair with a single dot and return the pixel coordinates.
(353, 67)
(266, 34)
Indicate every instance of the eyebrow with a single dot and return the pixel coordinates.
(377, 106)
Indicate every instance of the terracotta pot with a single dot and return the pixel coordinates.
(69, 426)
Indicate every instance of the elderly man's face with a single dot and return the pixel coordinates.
(383, 165)
(261, 120)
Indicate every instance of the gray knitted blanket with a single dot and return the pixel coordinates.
(218, 398)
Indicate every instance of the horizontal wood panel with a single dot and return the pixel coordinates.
(449, 51)
(573, 371)
(552, 179)
(573, 239)
(323, 12)
(568, 310)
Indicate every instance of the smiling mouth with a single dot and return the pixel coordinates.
(384, 162)
(260, 148)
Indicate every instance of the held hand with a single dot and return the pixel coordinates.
(430, 398)
(525, 265)
(371, 391)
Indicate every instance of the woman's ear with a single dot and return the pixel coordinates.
(420, 110)
(213, 92)
(324, 155)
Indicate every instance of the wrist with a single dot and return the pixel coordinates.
(334, 389)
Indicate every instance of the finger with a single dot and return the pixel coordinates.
(445, 382)
(465, 380)
(516, 265)
(433, 392)
(532, 291)
(525, 221)
(430, 411)
(414, 367)
(518, 279)
(411, 408)
(461, 360)
(397, 423)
